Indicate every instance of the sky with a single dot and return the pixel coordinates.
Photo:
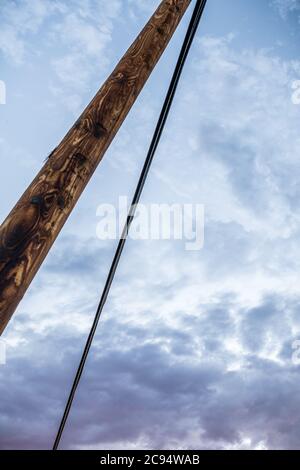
(194, 348)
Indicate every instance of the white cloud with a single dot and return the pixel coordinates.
(245, 138)
(286, 6)
(75, 35)
(83, 33)
(19, 19)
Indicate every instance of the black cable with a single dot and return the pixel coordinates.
(191, 31)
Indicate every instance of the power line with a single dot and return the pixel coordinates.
(188, 40)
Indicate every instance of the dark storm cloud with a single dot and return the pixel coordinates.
(151, 385)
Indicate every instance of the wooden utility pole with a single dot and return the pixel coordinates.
(30, 229)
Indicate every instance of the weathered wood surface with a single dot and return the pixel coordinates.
(30, 229)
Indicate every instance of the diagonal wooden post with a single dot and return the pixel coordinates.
(30, 229)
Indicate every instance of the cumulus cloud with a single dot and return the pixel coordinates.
(20, 18)
(159, 387)
(285, 7)
(85, 30)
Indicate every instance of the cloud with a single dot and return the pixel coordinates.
(155, 387)
(85, 31)
(20, 19)
(242, 101)
(75, 36)
(285, 7)
(80, 39)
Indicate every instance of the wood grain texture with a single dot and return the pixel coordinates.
(30, 229)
